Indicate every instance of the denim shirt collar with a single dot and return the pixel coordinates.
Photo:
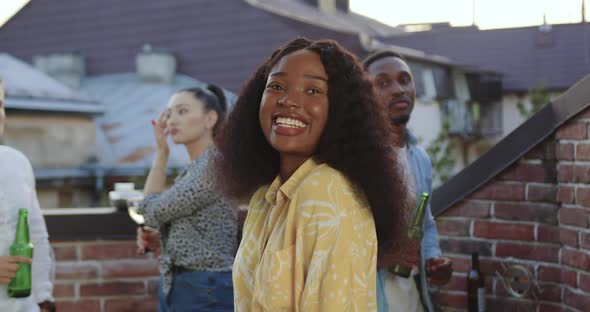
(410, 138)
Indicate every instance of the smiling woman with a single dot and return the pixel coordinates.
(307, 137)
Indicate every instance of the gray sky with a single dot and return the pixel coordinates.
(488, 13)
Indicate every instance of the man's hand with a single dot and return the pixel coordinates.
(148, 237)
(9, 266)
(47, 306)
(439, 270)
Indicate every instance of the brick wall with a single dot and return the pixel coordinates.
(104, 276)
(535, 213)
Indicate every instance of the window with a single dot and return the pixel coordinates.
(417, 73)
(443, 82)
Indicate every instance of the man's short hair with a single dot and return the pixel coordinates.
(377, 55)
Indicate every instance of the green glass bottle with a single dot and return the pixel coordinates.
(415, 232)
(20, 286)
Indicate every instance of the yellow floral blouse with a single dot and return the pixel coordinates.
(307, 245)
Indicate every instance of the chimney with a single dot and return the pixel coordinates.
(545, 27)
(331, 6)
(583, 11)
(67, 68)
(155, 67)
(545, 37)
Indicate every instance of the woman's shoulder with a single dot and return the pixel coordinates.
(324, 173)
(259, 194)
(324, 182)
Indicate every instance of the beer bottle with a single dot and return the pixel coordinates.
(476, 301)
(415, 232)
(20, 286)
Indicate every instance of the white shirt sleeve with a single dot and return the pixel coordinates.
(42, 287)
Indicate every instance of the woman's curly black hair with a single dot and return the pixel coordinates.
(357, 138)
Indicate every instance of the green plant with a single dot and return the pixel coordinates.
(539, 96)
(439, 151)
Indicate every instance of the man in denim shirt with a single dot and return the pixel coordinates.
(394, 86)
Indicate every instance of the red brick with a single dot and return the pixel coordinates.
(76, 271)
(551, 292)
(557, 275)
(568, 237)
(583, 196)
(509, 231)
(501, 191)
(452, 300)
(456, 283)
(469, 208)
(548, 234)
(583, 151)
(131, 305)
(564, 151)
(460, 264)
(573, 216)
(573, 173)
(543, 151)
(536, 152)
(575, 258)
(488, 267)
(153, 287)
(130, 268)
(545, 213)
(522, 172)
(65, 252)
(576, 299)
(489, 283)
(63, 290)
(108, 251)
(584, 283)
(585, 240)
(532, 252)
(581, 173)
(572, 131)
(565, 173)
(565, 194)
(78, 305)
(514, 305)
(543, 193)
(548, 307)
(465, 246)
(112, 289)
(452, 227)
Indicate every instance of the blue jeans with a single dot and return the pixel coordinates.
(198, 291)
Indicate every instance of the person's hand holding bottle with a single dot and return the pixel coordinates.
(9, 266)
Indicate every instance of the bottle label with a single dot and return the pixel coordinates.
(481, 299)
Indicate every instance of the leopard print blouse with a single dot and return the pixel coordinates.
(198, 227)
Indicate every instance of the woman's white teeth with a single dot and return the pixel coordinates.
(290, 122)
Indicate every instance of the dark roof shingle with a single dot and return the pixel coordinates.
(515, 52)
(218, 41)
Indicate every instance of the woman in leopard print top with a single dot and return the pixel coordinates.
(197, 226)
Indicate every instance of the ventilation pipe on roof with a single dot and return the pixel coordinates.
(67, 68)
(328, 6)
(331, 6)
(155, 67)
(545, 27)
